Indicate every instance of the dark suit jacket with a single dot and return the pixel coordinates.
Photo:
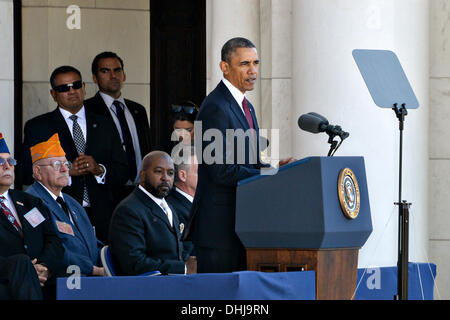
(40, 242)
(97, 105)
(182, 208)
(81, 248)
(141, 238)
(213, 210)
(102, 143)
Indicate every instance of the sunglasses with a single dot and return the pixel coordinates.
(185, 109)
(66, 87)
(58, 164)
(11, 161)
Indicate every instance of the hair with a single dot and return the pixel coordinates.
(104, 55)
(184, 165)
(182, 116)
(231, 45)
(62, 70)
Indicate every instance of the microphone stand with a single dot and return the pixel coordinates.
(336, 132)
(403, 222)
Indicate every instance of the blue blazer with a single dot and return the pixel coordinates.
(80, 249)
(213, 210)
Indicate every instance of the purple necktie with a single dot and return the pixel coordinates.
(247, 113)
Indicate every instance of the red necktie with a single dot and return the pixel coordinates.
(247, 113)
(10, 216)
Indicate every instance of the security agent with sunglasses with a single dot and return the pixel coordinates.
(30, 251)
(51, 174)
(99, 163)
(128, 118)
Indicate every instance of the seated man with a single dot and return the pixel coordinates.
(145, 231)
(51, 174)
(182, 195)
(26, 233)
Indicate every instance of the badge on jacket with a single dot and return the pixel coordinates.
(34, 217)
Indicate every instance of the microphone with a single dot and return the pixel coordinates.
(315, 123)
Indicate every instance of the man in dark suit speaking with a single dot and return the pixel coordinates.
(226, 108)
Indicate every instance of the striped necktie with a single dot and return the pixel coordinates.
(80, 144)
(10, 216)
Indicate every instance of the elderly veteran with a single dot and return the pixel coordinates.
(30, 251)
(51, 174)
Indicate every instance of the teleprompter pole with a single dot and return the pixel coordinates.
(403, 221)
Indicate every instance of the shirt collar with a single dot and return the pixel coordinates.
(186, 195)
(51, 193)
(158, 201)
(80, 114)
(109, 100)
(235, 92)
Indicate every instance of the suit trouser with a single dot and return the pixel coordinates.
(214, 260)
(19, 279)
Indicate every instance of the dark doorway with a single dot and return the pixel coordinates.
(177, 61)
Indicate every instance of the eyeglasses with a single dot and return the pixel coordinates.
(57, 165)
(11, 161)
(66, 87)
(186, 109)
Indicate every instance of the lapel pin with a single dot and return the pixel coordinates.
(19, 203)
(94, 125)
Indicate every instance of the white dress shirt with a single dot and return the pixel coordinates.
(81, 120)
(131, 125)
(235, 92)
(186, 195)
(9, 203)
(55, 197)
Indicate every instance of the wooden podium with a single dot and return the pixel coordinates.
(293, 221)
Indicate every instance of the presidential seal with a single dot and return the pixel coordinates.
(348, 191)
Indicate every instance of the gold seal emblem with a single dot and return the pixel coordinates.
(348, 191)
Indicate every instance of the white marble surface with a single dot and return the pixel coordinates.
(439, 117)
(439, 191)
(7, 112)
(122, 31)
(439, 255)
(59, 3)
(6, 40)
(440, 38)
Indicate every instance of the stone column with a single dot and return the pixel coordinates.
(227, 19)
(326, 80)
(7, 72)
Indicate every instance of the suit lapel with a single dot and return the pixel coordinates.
(64, 134)
(19, 205)
(102, 107)
(154, 207)
(5, 222)
(182, 199)
(234, 106)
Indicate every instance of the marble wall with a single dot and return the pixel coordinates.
(54, 35)
(326, 80)
(439, 151)
(7, 72)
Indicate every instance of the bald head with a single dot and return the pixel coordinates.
(152, 156)
(157, 173)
